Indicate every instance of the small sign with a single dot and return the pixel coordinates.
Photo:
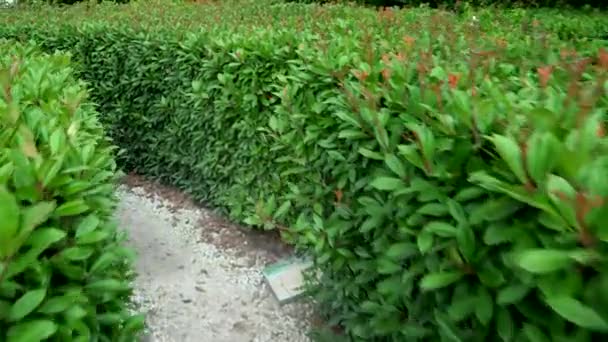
(285, 278)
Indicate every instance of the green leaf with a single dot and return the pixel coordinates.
(56, 305)
(410, 329)
(435, 281)
(72, 208)
(387, 266)
(466, 241)
(511, 153)
(282, 210)
(32, 331)
(410, 152)
(433, 209)
(469, 193)
(424, 241)
(76, 313)
(87, 225)
(426, 139)
(351, 134)
(5, 307)
(401, 250)
(542, 260)
(395, 165)
(577, 313)
(534, 334)
(462, 307)
(485, 306)
(446, 329)
(108, 285)
(505, 325)
(135, 323)
(542, 149)
(44, 237)
(438, 73)
(494, 210)
(57, 141)
(33, 217)
(9, 220)
(562, 194)
(103, 262)
(512, 294)
(387, 183)
(498, 233)
(489, 275)
(457, 212)
(26, 304)
(370, 154)
(554, 222)
(93, 237)
(77, 253)
(441, 229)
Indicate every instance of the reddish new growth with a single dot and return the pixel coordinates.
(437, 90)
(386, 72)
(544, 73)
(502, 43)
(453, 80)
(603, 59)
(361, 75)
(566, 53)
(387, 14)
(583, 204)
(339, 194)
(409, 41)
(601, 131)
(422, 69)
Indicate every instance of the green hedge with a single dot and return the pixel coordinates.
(446, 191)
(64, 273)
(457, 3)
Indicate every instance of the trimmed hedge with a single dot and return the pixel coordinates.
(458, 3)
(446, 172)
(64, 273)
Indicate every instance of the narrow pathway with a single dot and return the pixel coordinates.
(199, 277)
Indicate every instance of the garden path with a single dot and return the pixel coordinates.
(199, 277)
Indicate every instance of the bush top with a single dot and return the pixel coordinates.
(249, 17)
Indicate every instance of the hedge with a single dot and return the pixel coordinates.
(64, 272)
(445, 171)
(456, 4)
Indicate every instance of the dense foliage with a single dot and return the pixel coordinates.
(64, 274)
(446, 170)
(456, 4)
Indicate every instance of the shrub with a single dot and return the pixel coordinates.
(406, 150)
(64, 273)
(458, 3)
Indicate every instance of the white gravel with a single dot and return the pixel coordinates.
(191, 290)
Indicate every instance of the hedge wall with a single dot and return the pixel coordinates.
(65, 274)
(445, 172)
(455, 4)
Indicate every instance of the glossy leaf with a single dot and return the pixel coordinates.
(577, 312)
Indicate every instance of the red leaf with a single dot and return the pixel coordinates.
(601, 131)
(603, 59)
(339, 195)
(453, 80)
(544, 73)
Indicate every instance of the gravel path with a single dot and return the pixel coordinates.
(194, 285)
